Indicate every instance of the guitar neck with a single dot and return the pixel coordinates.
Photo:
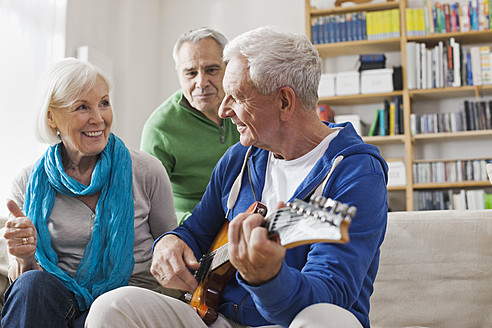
(220, 257)
(299, 223)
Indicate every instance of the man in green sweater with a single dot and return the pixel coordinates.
(185, 132)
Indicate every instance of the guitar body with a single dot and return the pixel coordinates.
(298, 223)
(207, 296)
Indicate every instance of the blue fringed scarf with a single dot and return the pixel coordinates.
(108, 260)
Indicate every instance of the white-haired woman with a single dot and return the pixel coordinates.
(85, 215)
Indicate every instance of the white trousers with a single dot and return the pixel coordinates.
(133, 307)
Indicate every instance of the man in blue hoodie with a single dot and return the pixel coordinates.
(285, 152)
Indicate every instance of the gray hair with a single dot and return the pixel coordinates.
(196, 35)
(63, 83)
(277, 59)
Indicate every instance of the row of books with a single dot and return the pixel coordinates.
(450, 171)
(415, 22)
(388, 120)
(446, 17)
(473, 199)
(339, 28)
(474, 115)
(356, 26)
(447, 65)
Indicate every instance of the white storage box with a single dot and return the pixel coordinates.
(376, 80)
(326, 85)
(347, 83)
(354, 119)
(396, 174)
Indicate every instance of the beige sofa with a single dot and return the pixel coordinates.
(435, 271)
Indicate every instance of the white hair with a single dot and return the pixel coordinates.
(63, 83)
(277, 59)
(196, 35)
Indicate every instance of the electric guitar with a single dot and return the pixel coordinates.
(299, 223)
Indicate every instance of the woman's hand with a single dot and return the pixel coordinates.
(21, 238)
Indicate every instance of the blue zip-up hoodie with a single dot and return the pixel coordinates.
(341, 274)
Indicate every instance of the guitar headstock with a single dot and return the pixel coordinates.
(320, 220)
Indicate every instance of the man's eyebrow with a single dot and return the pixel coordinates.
(212, 66)
(188, 69)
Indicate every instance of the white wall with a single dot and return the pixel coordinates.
(138, 36)
(127, 32)
(32, 33)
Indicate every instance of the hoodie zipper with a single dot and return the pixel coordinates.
(236, 308)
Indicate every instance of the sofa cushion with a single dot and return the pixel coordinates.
(435, 271)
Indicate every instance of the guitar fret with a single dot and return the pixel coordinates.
(221, 257)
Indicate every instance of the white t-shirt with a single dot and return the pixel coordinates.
(283, 177)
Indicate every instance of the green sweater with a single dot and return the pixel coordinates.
(189, 145)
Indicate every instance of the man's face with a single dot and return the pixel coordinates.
(256, 115)
(200, 73)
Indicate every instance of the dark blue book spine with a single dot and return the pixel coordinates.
(343, 28)
(364, 26)
(338, 32)
(314, 31)
(469, 72)
(326, 29)
(332, 29)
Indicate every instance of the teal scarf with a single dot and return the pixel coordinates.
(108, 260)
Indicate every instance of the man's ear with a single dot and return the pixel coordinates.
(287, 100)
(50, 119)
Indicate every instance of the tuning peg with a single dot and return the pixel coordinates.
(317, 200)
(301, 209)
(330, 204)
(342, 209)
(351, 212)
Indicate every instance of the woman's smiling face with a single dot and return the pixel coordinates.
(85, 126)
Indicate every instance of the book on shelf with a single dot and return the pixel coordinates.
(450, 16)
(325, 113)
(388, 120)
(485, 65)
(382, 122)
(447, 64)
(392, 118)
(474, 199)
(471, 116)
(411, 50)
(450, 171)
(374, 127)
(355, 26)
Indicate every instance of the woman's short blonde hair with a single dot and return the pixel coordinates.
(63, 83)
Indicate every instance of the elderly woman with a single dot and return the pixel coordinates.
(91, 207)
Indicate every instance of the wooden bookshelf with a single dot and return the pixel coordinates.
(409, 96)
(358, 47)
(360, 98)
(461, 135)
(447, 185)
